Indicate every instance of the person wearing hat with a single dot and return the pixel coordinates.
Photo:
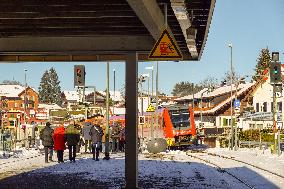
(47, 141)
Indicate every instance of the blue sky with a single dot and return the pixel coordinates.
(249, 25)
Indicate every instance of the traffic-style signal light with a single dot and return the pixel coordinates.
(275, 72)
(79, 75)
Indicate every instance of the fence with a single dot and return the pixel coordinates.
(253, 144)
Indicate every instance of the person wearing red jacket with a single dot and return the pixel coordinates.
(59, 142)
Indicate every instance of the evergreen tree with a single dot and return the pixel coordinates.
(263, 63)
(56, 89)
(49, 88)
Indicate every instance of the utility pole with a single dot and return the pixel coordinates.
(25, 107)
(152, 94)
(113, 91)
(107, 117)
(231, 141)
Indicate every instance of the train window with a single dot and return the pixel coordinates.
(180, 119)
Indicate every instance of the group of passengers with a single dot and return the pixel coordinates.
(61, 136)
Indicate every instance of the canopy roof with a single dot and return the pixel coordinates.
(98, 30)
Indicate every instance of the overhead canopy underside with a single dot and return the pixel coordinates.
(99, 30)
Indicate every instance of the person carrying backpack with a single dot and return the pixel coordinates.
(72, 137)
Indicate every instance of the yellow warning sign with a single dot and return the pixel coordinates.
(150, 108)
(165, 48)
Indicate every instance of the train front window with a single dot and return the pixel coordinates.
(180, 119)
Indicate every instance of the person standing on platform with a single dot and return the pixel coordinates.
(47, 141)
(96, 134)
(72, 137)
(59, 142)
(86, 135)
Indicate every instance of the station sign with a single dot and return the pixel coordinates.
(237, 104)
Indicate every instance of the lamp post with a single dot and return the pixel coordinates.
(141, 80)
(231, 141)
(152, 76)
(236, 94)
(151, 68)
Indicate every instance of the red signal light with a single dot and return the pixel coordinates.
(78, 71)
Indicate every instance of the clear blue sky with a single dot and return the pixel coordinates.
(249, 25)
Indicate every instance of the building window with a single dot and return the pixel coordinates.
(225, 122)
(265, 107)
(279, 106)
(271, 106)
(257, 107)
(16, 105)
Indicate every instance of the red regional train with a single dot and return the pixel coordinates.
(174, 123)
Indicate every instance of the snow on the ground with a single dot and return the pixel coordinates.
(255, 156)
(173, 169)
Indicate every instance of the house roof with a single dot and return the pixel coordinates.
(244, 88)
(74, 95)
(216, 92)
(49, 106)
(115, 95)
(11, 90)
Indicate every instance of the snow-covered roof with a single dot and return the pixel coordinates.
(216, 92)
(228, 100)
(11, 90)
(74, 95)
(119, 111)
(49, 106)
(115, 95)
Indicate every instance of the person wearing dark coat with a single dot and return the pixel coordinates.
(47, 141)
(96, 133)
(59, 142)
(72, 137)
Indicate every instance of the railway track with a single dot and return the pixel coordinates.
(222, 170)
(240, 161)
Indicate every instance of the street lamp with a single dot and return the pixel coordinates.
(152, 75)
(141, 79)
(231, 141)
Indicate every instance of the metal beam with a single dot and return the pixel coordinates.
(150, 15)
(211, 10)
(188, 30)
(68, 44)
(131, 132)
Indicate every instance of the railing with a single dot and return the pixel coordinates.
(255, 144)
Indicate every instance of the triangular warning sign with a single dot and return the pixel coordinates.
(150, 108)
(165, 48)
